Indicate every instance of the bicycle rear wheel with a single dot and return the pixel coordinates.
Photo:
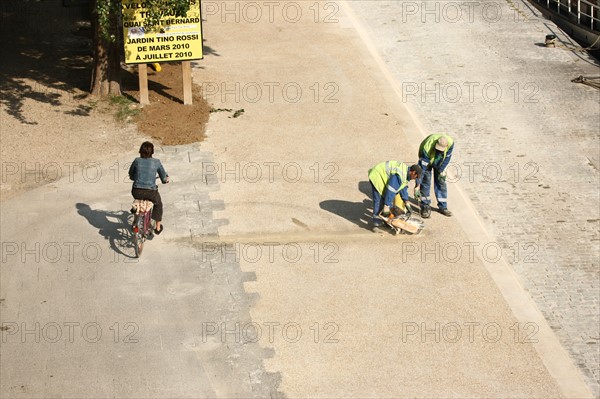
(138, 237)
(138, 244)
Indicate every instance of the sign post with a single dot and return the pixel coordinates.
(175, 39)
(186, 71)
(143, 79)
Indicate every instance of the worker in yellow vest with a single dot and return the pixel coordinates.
(435, 153)
(389, 179)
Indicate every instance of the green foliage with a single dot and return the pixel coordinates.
(236, 113)
(119, 100)
(107, 11)
(158, 9)
(123, 108)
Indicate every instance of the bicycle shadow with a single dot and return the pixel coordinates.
(113, 226)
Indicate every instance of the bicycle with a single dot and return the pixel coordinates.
(142, 224)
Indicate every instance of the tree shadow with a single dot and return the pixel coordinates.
(207, 50)
(130, 83)
(46, 56)
(115, 226)
(81, 110)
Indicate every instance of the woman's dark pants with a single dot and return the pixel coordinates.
(150, 195)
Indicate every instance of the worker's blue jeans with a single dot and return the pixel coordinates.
(439, 187)
(377, 202)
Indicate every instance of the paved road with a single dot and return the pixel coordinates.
(82, 318)
(370, 123)
(527, 141)
(267, 281)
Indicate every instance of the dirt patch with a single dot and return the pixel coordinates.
(166, 118)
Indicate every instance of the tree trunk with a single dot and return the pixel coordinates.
(99, 84)
(114, 54)
(106, 68)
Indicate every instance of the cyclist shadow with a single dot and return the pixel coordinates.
(115, 226)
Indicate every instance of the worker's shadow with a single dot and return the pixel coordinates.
(358, 213)
(112, 225)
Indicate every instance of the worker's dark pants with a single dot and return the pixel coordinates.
(377, 202)
(150, 195)
(439, 187)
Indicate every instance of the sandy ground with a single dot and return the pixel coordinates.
(51, 128)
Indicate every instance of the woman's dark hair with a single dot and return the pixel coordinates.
(147, 149)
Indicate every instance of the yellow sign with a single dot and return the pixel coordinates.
(176, 39)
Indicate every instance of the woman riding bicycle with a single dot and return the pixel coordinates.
(143, 172)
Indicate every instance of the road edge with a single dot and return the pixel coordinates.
(557, 361)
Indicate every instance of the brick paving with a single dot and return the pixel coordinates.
(164, 325)
(527, 142)
(236, 363)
